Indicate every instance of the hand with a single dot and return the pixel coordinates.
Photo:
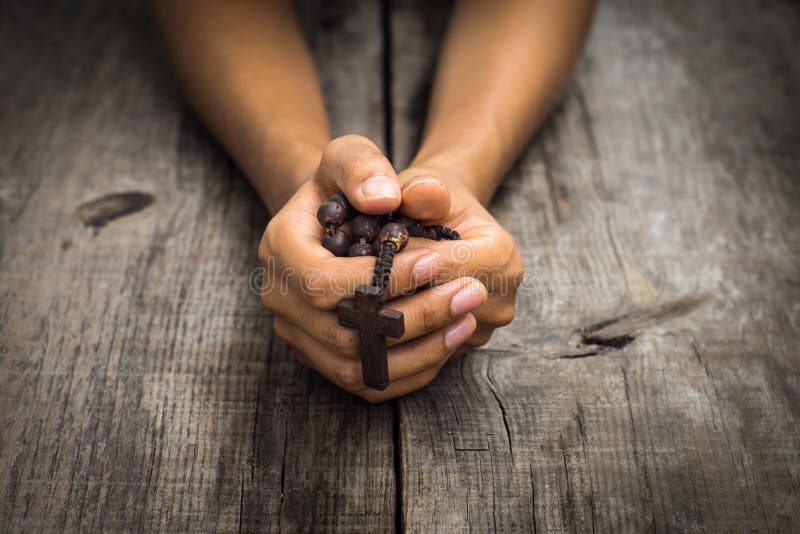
(486, 251)
(303, 282)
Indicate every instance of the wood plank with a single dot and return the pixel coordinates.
(141, 386)
(667, 173)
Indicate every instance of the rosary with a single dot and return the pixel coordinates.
(351, 233)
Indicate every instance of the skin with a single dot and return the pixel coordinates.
(247, 71)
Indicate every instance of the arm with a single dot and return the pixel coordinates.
(245, 67)
(503, 65)
(246, 70)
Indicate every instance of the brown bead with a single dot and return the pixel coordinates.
(350, 211)
(337, 242)
(414, 227)
(360, 248)
(430, 233)
(331, 213)
(347, 227)
(366, 226)
(394, 232)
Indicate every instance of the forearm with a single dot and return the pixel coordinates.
(502, 67)
(245, 68)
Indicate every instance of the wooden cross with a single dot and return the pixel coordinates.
(374, 323)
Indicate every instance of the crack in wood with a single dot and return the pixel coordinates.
(641, 465)
(98, 212)
(568, 511)
(398, 468)
(492, 385)
(579, 417)
(618, 332)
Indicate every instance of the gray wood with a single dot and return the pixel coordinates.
(141, 388)
(650, 380)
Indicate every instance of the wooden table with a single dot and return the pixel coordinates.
(142, 387)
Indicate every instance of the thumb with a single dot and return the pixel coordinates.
(426, 198)
(360, 170)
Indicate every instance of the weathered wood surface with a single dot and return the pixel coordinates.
(671, 170)
(141, 388)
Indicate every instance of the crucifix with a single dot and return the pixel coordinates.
(374, 324)
(383, 237)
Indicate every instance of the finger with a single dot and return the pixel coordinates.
(324, 282)
(480, 337)
(498, 310)
(358, 168)
(425, 198)
(404, 361)
(492, 258)
(401, 387)
(405, 385)
(424, 312)
(437, 307)
(429, 350)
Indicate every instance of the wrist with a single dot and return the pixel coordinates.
(280, 176)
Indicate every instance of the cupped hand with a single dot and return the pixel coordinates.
(303, 282)
(486, 251)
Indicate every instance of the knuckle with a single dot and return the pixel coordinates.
(428, 317)
(505, 315)
(334, 147)
(345, 342)
(314, 288)
(272, 233)
(361, 159)
(349, 140)
(321, 301)
(348, 150)
(263, 252)
(479, 339)
(516, 269)
(348, 376)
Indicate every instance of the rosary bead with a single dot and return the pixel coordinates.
(366, 226)
(337, 242)
(360, 248)
(347, 228)
(331, 213)
(350, 211)
(414, 227)
(447, 233)
(430, 233)
(395, 233)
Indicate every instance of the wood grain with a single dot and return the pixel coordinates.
(649, 381)
(142, 389)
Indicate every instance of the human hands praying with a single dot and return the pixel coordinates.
(303, 282)
(486, 251)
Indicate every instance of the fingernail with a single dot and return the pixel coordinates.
(413, 182)
(425, 268)
(469, 298)
(458, 332)
(380, 186)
